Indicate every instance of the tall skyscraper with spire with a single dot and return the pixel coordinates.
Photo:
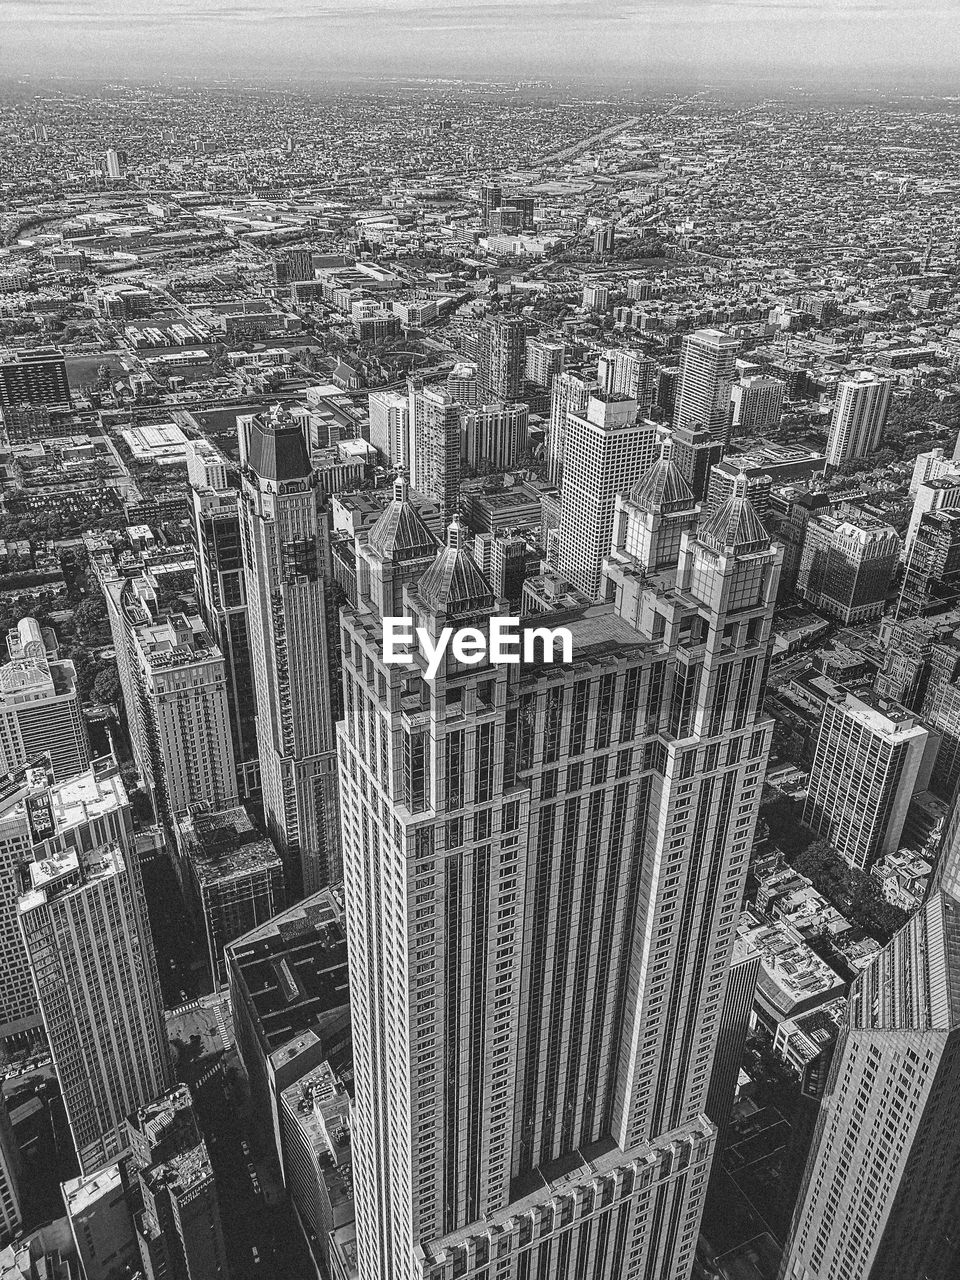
(543, 868)
(286, 554)
(880, 1198)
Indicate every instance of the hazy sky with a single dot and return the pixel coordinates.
(532, 38)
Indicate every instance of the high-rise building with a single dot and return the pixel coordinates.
(11, 1209)
(493, 436)
(171, 1183)
(84, 925)
(286, 1029)
(871, 756)
(544, 361)
(708, 370)
(859, 416)
(38, 818)
(880, 1197)
(735, 1024)
(34, 377)
(40, 708)
(232, 878)
(571, 394)
(696, 451)
(848, 566)
(723, 479)
(937, 493)
(491, 198)
(101, 1223)
(293, 266)
(543, 872)
(390, 426)
(463, 383)
(596, 297)
(932, 568)
(604, 239)
(317, 1165)
(628, 373)
(503, 358)
(286, 560)
(174, 681)
(756, 403)
(114, 163)
(605, 451)
(435, 446)
(222, 596)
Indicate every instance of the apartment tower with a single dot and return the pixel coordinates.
(859, 416)
(708, 370)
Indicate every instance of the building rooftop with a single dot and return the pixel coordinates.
(225, 844)
(320, 1107)
(83, 1193)
(294, 969)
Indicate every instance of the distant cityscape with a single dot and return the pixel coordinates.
(641, 963)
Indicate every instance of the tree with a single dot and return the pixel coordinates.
(90, 618)
(106, 685)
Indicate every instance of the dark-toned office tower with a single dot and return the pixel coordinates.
(881, 1193)
(543, 867)
(286, 558)
(734, 1029)
(222, 595)
(696, 451)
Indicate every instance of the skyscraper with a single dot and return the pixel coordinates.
(859, 416)
(493, 436)
(734, 1029)
(695, 451)
(880, 1198)
(11, 1214)
(40, 710)
(869, 759)
(708, 369)
(172, 1187)
(544, 361)
(84, 925)
(932, 567)
(390, 426)
(503, 358)
(631, 374)
(570, 394)
(756, 403)
(435, 446)
(34, 377)
(491, 198)
(605, 451)
(38, 818)
(222, 595)
(174, 682)
(114, 163)
(847, 566)
(286, 554)
(543, 870)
